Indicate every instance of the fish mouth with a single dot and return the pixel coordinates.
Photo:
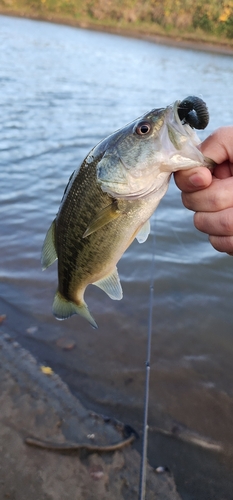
(172, 145)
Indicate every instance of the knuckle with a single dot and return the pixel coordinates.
(217, 200)
(226, 221)
(217, 243)
(220, 194)
(222, 243)
(198, 222)
(187, 201)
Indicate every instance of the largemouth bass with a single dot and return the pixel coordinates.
(110, 198)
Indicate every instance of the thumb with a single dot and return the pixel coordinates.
(193, 179)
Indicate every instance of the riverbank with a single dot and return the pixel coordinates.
(36, 402)
(194, 41)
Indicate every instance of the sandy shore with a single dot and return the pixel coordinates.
(34, 403)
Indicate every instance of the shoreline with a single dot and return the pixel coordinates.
(35, 403)
(183, 41)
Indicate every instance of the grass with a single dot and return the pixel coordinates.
(209, 21)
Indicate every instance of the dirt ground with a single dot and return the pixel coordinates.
(35, 402)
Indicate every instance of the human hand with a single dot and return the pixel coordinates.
(211, 197)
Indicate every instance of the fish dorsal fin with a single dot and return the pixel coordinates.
(111, 285)
(49, 253)
(144, 232)
(103, 217)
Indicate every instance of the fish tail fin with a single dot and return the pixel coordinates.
(63, 309)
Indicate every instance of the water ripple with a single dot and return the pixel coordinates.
(62, 91)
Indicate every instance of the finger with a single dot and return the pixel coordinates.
(218, 146)
(222, 243)
(193, 179)
(218, 196)
(224, 170)
(215, 224)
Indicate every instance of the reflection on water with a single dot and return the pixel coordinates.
(62, 91)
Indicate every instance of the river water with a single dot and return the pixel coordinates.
(63, 90)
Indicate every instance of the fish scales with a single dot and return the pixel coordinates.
(77, 255)
(69, 241)
(109, 201)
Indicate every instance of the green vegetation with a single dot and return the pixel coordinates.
(200, 20)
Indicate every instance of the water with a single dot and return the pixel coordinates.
(62, 90)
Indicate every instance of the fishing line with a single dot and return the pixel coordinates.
(142, 484)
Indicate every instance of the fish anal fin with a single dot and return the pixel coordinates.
(111, 285)
(144, 232)
(63, 309)
(49, 253)
(103, 217)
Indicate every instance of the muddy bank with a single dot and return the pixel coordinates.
(35, 403)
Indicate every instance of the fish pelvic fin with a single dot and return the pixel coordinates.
(103, 217)
(63, 309)
(49, 253)
(144, 232)
(111, 285)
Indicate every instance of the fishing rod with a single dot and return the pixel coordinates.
(142, 484)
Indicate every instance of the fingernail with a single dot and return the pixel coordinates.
(197, 180)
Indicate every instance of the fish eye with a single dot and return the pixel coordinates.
(143, 128)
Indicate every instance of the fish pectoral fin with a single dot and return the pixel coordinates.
(63, 309)
(144, 232)
(49, 253)
(106, 215)
(111, 285)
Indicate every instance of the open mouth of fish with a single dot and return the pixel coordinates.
(166, 142)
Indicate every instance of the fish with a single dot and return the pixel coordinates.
(110, 198)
